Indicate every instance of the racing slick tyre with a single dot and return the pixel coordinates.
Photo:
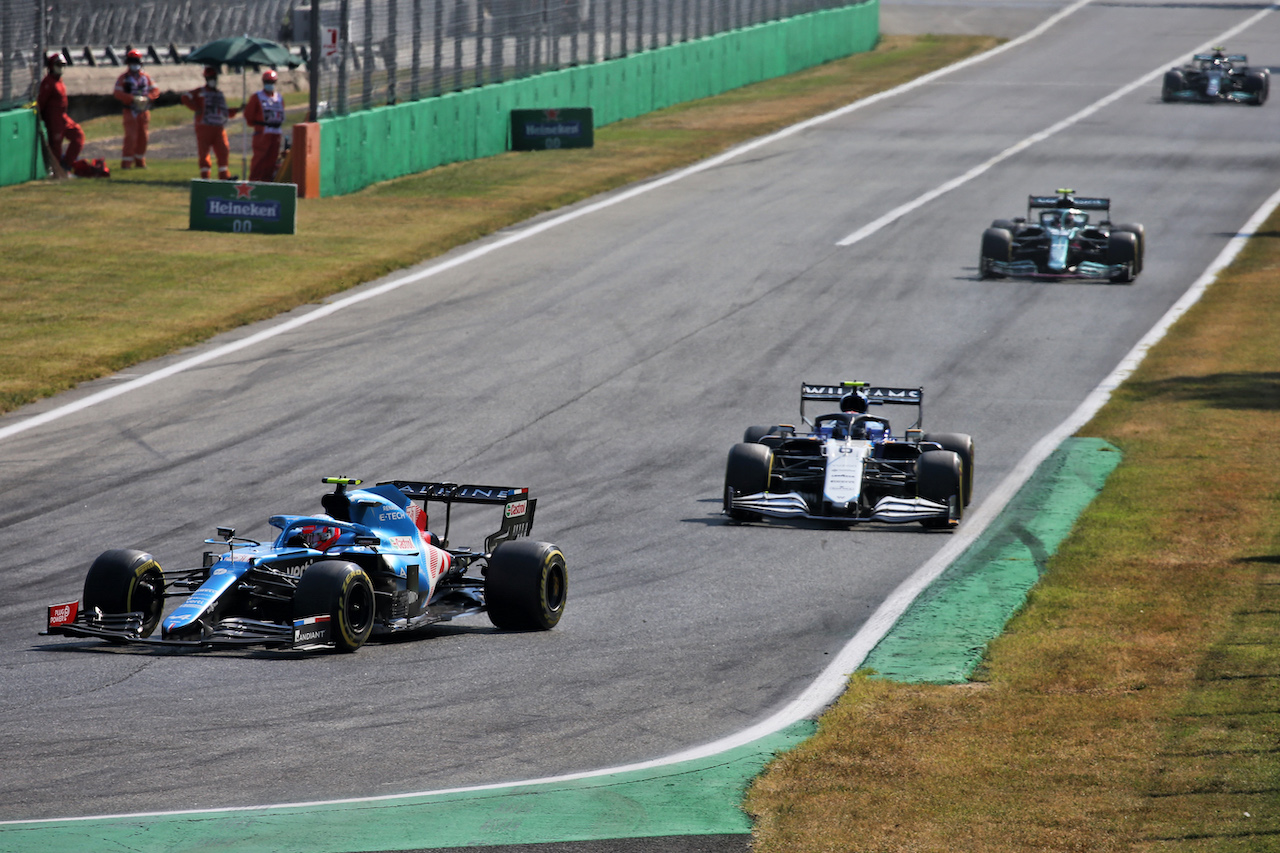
(343, 591)
(525, 585)
(939, 478)
(753, 434)
(1122, 251)
(961, 445)
(1257, 81)
(126, 582)
(997, 245)
(746, 473)
(1140, 234)
(1007, 224)
(1174, 81)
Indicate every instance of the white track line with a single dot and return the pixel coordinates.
(897, 213)
(831, 682)
(501, 243)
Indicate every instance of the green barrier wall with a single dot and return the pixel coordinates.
(19, 148)
(375, 145)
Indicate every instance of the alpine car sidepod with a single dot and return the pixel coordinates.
(367, 566)
(1062, 242)
(1214, 77)
(850, 466)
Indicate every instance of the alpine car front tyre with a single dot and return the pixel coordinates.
(123, 581)
(526, 585)
(342, 591)
(747, 472)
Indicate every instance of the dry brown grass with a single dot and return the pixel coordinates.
(1134, 703)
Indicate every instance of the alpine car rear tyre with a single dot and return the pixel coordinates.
(1122, 251)
(525, 586)
(124, 581)
(997, 245)
(962, 445)
(746, 473)
(939, 478)
(343, 591)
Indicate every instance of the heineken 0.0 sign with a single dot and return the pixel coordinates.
(244, 207)
(540, 130)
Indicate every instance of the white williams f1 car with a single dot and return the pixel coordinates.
(849, 466)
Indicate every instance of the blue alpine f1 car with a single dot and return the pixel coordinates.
(368, 565)
(1058, 239)
(849, 466)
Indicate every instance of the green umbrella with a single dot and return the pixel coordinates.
(242, 51)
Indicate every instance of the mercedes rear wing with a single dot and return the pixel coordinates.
(877, 395)
(517, 513)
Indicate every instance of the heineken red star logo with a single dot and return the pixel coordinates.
(552, 115)
(244, 190)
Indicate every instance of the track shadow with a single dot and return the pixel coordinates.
(1242, 391)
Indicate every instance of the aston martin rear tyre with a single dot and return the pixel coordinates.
(124, 581)
(526, 585)
(342, 591)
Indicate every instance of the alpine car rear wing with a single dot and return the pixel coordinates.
(877, 395)
(517, 514)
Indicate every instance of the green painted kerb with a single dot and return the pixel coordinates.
(942, 636)
(690, 798)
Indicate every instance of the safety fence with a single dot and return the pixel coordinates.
(362, 148)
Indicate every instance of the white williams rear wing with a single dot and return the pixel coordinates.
(877, 395)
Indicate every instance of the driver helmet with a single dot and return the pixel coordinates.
(855, 403)
(1068, 219)
(317, 536)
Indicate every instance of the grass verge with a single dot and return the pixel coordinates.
(102, 274)
(1134, 703)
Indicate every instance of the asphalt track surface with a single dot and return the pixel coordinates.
(609, 362)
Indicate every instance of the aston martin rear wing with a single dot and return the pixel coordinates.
(877, 395)
(1231, 57)
(1064, 199)
(517, 513)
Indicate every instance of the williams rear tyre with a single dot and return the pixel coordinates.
(126, 582)
(747, 472)
(526, 585)
(342, 591)
(997, 245)
(940, 478)
(962, 445)
(1122, 251)
(752, 434)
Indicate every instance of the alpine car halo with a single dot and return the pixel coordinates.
(850, 466)
(1214, 77)
(367, 566)
(1062, 242)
